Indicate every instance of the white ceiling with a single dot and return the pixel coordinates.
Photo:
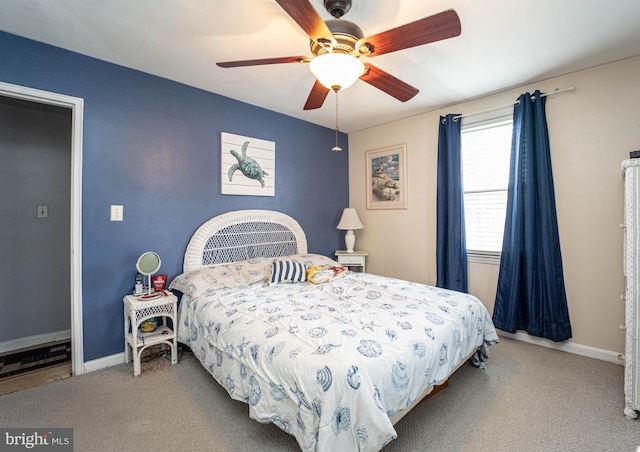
(504, 43)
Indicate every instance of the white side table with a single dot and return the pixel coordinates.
(136, 311)
(356, 260)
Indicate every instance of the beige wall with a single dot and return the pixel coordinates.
(591, 130)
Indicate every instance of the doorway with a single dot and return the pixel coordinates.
(74, 251)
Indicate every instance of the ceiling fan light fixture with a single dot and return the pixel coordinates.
(336, 70)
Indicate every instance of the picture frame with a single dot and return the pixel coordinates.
(247, 165)
(386, 177)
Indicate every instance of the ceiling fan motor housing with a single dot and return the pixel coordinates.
(345, 34)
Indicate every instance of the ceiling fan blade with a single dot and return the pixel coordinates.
(388, 83)
(317, 96)
(434, 28)
(303, 13)
(262, 61)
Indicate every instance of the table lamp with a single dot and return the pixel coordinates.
(349, 222)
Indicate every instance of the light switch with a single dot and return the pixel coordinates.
(117, 213)
(43, 212)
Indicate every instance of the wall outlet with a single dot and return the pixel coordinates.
(117, 213)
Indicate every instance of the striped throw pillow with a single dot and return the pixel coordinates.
(288, 272)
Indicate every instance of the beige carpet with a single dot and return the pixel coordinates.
(529, 399)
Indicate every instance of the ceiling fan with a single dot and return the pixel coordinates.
(345, 40)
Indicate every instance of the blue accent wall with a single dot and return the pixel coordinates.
(153, 145)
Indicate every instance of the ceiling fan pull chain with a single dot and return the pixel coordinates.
(336, 148)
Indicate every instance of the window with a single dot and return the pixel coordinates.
(486, 154)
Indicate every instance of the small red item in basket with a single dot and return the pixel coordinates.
(159, 282)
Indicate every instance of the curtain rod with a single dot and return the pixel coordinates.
(555, 91)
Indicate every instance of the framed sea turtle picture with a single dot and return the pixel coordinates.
(387, 177)
(248, 165)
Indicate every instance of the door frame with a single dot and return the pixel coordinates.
(76, 104)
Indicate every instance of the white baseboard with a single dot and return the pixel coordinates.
(568, 346)
(24, 342)
(103, 363)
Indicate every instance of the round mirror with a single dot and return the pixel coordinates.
(148, 263)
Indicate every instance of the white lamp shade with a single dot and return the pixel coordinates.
(336, 70)
(349, 220)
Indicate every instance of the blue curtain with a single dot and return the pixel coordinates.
(451, 245)
(531, 294)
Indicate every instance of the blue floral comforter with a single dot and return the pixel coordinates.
(328, 363)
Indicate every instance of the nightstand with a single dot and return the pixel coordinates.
(137, 309)
(355, 260)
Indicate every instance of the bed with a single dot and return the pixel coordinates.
(334, 362)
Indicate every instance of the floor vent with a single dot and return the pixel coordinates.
(35, 358)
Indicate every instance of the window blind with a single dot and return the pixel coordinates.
(486, 153)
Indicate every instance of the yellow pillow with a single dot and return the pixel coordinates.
(319, 274)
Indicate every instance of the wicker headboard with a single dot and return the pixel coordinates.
(244, 234)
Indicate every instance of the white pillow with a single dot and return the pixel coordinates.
(227, 276)
(313, 259)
